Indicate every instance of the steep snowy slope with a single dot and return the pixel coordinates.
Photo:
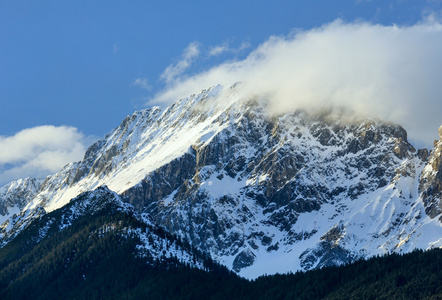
(260, 193)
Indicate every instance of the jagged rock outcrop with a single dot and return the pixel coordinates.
(18, 193)
(431, 181)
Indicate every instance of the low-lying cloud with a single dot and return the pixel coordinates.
(39, 151)
(390, 72)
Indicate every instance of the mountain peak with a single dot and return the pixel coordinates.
(254, 189)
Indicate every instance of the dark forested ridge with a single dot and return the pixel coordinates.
(83, 262)
(417, 275)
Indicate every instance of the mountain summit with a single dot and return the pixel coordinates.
(259, 193)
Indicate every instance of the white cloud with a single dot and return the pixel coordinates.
(220, 49)
(243, 46)
(225, 47)
(143, 83)
(389, 72)
(189, 54)
(39, 151)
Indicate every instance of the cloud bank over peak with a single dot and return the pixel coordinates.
(39, 151)
(389, 72)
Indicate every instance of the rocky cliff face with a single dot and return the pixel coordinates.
(17, 194)
(431, 181)
(260, 193)
(13, 199)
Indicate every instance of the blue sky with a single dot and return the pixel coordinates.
(75, 69)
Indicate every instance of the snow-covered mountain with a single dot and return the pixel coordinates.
(259, 193)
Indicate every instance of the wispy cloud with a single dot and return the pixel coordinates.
(39, 151)
(390, 72)
(174, 70)
(243, 46)
(143, 83)
(225, 47)
(220, 49)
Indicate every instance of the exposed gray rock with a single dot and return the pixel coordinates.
(422, 154)
(325, 255)
(430, 183)
(243, 259)
(18, 194)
